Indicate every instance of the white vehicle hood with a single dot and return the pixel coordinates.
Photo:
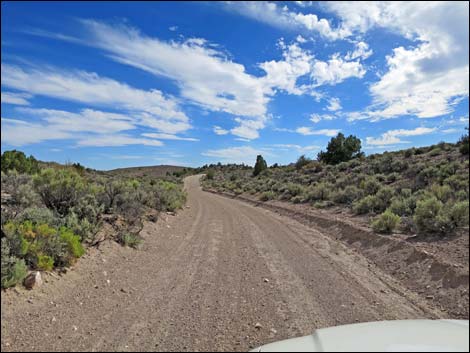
(382, 336)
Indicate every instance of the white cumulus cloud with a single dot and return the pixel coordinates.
(19, 133)
(336, 70)
(282, 17)
(428, 78)
(154, 108)
(283, 74)
(316, 118)
(393, 136)
(334, 104)
(309, 131)
(361, 51)
(242, 154)
(168, 137)
(15, 98)
(220, 131)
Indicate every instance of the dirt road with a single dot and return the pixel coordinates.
(203, 280)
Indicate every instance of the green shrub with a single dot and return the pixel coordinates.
(266, 173)
(364, 205)
(457, 182)
(314, 167)
(386, 222)
(45, 263)
(409, 152)
(446, 170)
(88, 208)
(210, 174)
(443, 146)
(464, 143)
(13, 270)
(78, 168)
(382, 198)
(294, 189)
(406, 192)
(426, 176)
(426, 215)
(26, 196)
(60, 189)
(129, 206)
(385, 193)
(347, 195)
(81, 227)
(420, 150)
(12, 180)
(297, 199)
(323, 204)
(38, 215)
(442, 192)
(109, 191)
(267, 195)
(432, 217)
(17, 160)
(84, 218)
(21, 194)
(34, 241)
(403, 206)
(459, 213)
(170, 194)
(18, 245)
(370, 186)
(461, 195)
(381, 178)
(342, 167)
(72, 242)
(129, 239)
(383, 164)
(354, 163)
(301, 162)
(319, 192)
(392, 177)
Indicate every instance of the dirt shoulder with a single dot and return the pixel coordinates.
(222, 275)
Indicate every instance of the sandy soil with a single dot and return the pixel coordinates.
(203, 281)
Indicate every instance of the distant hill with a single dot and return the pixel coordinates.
(151, 171)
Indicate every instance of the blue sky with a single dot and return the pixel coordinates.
(117, 84)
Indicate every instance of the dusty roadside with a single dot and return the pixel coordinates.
(221, 275)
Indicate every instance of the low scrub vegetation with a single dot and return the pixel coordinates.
(386, 222)
(129, 239)
(51, 214)
(416, 191)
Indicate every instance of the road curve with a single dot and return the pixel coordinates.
(221, 276)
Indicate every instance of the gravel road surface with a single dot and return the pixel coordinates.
(222, 275)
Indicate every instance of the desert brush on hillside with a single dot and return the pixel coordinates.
(418, 190)
(51, 212)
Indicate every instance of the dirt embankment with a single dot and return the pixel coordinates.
(222, 275)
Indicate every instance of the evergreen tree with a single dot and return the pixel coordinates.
(341, 149)
(260, 165)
